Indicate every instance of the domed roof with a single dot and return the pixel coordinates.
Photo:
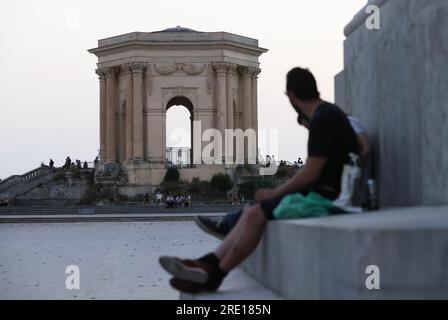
(177, 29)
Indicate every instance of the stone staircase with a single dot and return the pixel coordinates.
(329, 258)
(16, 185)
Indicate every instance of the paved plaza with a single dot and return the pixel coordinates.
(117, 260)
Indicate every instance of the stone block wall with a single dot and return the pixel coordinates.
(395, 80)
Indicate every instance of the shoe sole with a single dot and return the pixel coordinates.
(206, 229)
(175, 267)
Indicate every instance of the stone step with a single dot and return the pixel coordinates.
(327, 258)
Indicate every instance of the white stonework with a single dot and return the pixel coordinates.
(213, 74)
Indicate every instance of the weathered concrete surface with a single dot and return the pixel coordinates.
(116, 260)
(395, 81)
(326, 258)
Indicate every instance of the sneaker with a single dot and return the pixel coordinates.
(190, 270)
(192, 287)
(214, 227)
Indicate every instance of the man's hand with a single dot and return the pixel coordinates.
(265, 194)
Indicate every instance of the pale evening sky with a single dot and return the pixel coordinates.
(49, 90)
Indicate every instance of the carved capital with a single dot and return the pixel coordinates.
(220, 67)
(111, 72)
(101, 72)
(232, 68)
(138, 67)
(254, 72)
(244, 71)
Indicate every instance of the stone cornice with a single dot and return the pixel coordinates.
(166, 37)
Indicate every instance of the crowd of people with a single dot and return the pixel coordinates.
(178, 201)
(171, 201)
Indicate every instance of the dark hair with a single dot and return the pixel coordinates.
(302, 83)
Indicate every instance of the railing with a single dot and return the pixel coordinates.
(13, 180)
(178, 157)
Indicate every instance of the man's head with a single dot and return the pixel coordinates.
(301, 89)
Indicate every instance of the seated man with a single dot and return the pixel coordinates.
(331, 140)
(221, 226)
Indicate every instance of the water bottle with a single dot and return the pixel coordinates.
(373, 195)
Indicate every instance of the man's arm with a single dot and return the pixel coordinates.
(364, 147)
(309, 174)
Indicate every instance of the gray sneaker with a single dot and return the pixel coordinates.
(213, 226)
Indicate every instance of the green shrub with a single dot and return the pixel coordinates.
(250, 186)
(59, 176)
(171, 175)
(221, 182)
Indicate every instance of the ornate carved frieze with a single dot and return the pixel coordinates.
(191, 69)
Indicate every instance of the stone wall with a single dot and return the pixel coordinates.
(395, 81)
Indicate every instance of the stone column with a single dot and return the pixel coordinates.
(247, 98)
(137, 96)
(129, 113)
(103, 112)
(231, 73)
(111, 132)
(230, 149)
(254, 100)
(221, 98)
(221, 95)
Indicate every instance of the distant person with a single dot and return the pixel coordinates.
(188, 201)
(51, 163)
(146, 198)
(96, 161)
(85, 166)
(159, 197)
(68, 163)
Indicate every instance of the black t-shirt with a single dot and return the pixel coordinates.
(331, 136)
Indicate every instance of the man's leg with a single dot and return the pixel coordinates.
(220, 227)
(245, 238)
(207, 272)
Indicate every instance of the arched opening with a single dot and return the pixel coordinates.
(179, 133)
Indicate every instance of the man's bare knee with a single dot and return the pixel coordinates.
(255, 214)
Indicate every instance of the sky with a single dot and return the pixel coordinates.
(49, 90)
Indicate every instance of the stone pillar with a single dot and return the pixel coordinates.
(247, 98)
(103, 112)
(129, 113)
(231, 73)
(254, 103)
(221, 98)
(111, 126)
(221, 95)
(137, 96)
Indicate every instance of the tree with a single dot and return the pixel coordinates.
(221, 182)
(171, 175)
